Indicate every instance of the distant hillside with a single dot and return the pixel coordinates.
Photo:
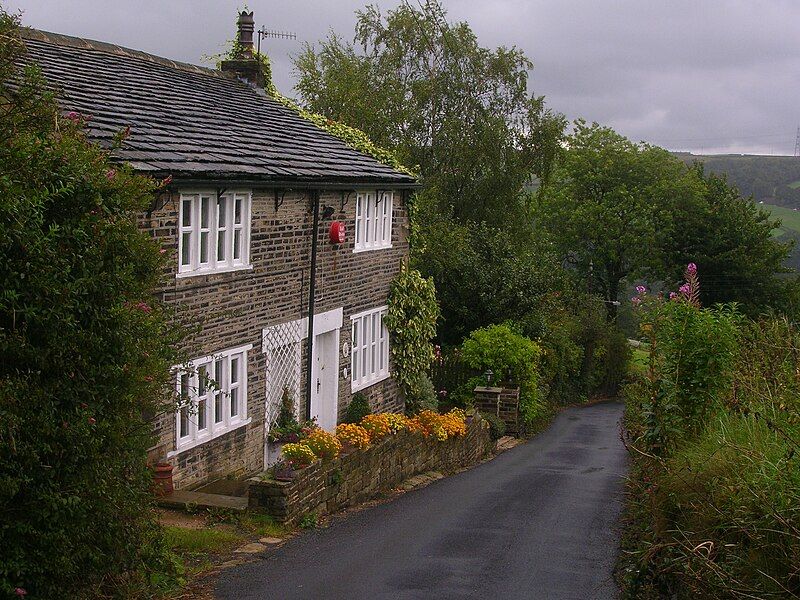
(769, 179)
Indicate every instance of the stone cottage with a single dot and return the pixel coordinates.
(284, 241)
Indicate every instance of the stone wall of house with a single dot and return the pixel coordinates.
(502, 402)
(226, 310)
(326, 487)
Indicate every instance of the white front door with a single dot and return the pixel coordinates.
(325, 379)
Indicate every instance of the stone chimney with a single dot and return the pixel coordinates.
(244, 62)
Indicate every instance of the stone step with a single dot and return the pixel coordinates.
(183, 499)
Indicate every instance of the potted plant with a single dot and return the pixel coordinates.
(162, 479)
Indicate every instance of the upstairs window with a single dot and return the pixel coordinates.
(213, 397)
(370, 348)
(214, 232)
(373, 220)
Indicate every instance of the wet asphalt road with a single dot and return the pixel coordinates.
(539, 521)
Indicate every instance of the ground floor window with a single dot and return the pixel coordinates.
(370, 349)
(213, 397)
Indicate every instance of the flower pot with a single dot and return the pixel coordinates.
(162, 478)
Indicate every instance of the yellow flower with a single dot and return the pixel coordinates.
(377, 426)
(323, 444)
(352, 435)
(298, 454)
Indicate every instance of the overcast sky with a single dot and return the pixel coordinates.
(700, 75)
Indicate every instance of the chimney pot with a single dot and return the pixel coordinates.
(247, 26)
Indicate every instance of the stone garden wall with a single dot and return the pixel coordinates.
(363, 474)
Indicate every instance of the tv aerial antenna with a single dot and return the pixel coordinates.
(284, 35)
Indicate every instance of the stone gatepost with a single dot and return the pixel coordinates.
(501, 402)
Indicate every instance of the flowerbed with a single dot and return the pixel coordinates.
(398, 448)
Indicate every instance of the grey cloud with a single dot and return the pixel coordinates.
(716, 75)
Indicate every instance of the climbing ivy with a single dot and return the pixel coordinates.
(411, 321)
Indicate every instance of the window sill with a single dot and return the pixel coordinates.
(355, 387)
(205, 440)
(213, 271)
(371, 248)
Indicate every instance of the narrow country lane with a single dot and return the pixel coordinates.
(539, 521)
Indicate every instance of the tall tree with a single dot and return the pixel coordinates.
(730, 239)
(607, 206)
(460, 113)
(618, 210)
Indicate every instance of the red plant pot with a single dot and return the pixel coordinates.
(162, 478)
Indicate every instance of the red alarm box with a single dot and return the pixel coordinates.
(337, 232)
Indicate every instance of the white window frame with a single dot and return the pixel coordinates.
(188, 383)
(369, 351)
(192, 232)
(373, 222)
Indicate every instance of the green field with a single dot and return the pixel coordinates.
(790, 219)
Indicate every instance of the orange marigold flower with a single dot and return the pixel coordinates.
(352, 435)
(377, 426)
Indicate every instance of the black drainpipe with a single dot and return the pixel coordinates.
(311, 294)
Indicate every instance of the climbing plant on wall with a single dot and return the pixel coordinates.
(411, 320)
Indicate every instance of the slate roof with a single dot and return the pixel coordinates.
(193, 122)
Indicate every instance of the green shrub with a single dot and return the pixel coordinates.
(497, 428)
(692, 357)
(357, 409)
(411, 321)
(86, 353)
(421, 395)
(512, 358)
(716, 517)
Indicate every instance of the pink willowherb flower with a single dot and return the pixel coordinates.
(672, 295)
(91, 420)
(144, 307)
(640, 289)
(110, 174)
(636, 300)
(691, 268)
(684, 289)
(74, 116)
(21, 592)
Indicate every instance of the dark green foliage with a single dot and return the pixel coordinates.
(421, 395)
(497, 428)
(731, 242)
(607, 207)
(771, 179)
(619, 210)
(86, 353)
(486, 275)
(357, 409)
(411, 321)
(286, 416)
(718, 517)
